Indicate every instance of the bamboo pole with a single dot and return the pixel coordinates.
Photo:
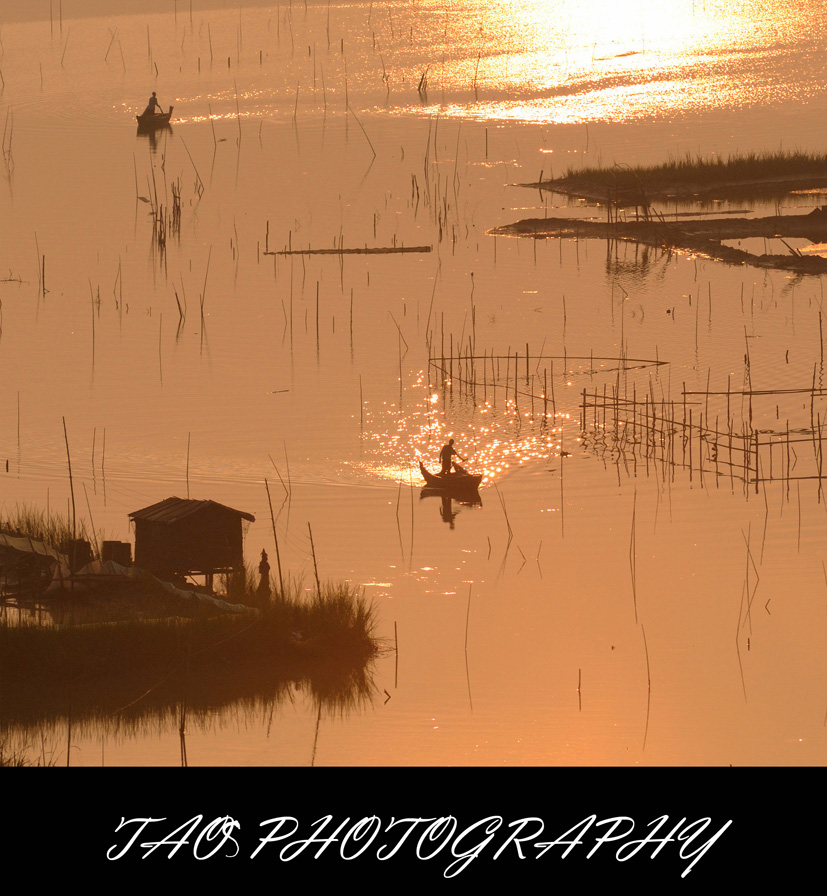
(275, 539)
(315, 566)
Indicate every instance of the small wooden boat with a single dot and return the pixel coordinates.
(154, 119)
(459, 480)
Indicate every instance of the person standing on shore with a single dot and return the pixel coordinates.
(264, 573)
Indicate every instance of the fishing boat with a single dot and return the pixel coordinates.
(460, 479)
(154, 119)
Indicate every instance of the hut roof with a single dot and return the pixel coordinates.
(171, 510)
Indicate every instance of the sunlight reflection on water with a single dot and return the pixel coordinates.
(273, 374)
(530, 61)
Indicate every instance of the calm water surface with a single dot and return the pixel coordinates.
(596, 608)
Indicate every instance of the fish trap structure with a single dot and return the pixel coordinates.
(522, 382)
(748, 436)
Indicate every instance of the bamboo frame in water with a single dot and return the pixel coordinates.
(746, 454)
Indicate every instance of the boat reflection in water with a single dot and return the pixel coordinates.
(448, 510)
(154, 132)
(460, 486)
(152, 125)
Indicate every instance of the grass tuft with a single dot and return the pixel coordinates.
(50, 528)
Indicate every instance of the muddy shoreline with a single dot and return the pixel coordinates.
(700, 236)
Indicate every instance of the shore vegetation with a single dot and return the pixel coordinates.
(129, 649)
(696, 173)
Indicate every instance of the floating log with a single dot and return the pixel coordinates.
(377, 250)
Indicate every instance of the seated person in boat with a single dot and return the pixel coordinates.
(446, 454)
(152, 106)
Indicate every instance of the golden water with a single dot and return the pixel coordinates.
(592, 611)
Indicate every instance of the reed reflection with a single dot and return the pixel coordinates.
(212, 669)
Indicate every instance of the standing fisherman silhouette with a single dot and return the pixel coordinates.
(446, 454)
(152, 106)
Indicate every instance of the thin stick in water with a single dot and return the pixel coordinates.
(315, 566)
(467, 617)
